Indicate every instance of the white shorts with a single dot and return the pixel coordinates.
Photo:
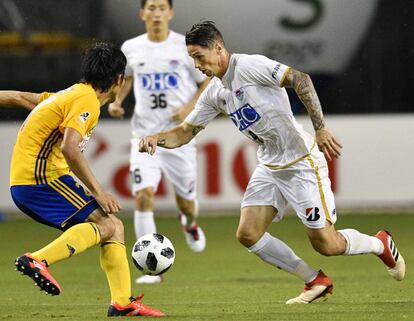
(179, 166)
(305, 186)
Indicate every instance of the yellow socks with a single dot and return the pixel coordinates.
(73, 241)
(114, 263)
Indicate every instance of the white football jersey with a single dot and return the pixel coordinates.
(251, 96)
(164, 79)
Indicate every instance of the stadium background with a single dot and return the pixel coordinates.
(359, 54)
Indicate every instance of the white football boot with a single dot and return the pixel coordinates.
(315, 289)
(194, 235)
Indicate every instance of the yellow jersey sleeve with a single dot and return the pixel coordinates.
(44, 95)
(81, 114)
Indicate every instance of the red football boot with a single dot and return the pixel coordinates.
(318, 288)
(134, 309)
(38, 271)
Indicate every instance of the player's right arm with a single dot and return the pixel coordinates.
(170, 139)
(79, 166)
(115, 109)
(16, 98)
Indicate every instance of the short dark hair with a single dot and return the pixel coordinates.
(102, 63)
(143, 3)
(203, 34)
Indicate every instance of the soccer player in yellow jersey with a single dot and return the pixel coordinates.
(47, 152)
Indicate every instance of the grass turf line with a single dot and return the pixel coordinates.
(223, 283)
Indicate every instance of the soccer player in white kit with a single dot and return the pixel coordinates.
(166, 87)
(292, 169)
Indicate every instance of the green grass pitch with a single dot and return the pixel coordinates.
(221, 284)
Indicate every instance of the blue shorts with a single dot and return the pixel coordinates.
(61, 203)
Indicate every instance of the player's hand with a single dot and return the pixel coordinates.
(108, 203)
(328, 144)
(116, 110)
(180, 114)
(148, 144)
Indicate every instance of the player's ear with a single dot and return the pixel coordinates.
(121, 80)
(171, 14)
(141, 14)
(218, 47)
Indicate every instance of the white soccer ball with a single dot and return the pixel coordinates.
(153, 254)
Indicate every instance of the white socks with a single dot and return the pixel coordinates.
(144, 223)
(358, 243)
(277, 253)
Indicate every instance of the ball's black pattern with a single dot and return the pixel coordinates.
(167, 252)
(151, 261)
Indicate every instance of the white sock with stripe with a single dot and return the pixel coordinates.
(358, 243)
(144, 223)
(277, 253)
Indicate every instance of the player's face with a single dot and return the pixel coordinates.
(116, 88)
(157, 15)
(207, 60)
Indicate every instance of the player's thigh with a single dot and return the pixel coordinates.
(145, 169)
(61, 203)
(263, 190)
(307, 187)
(180, 168)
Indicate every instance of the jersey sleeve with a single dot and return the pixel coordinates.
(205, 110)
(82, 115)
(43, 96)
(262, 70)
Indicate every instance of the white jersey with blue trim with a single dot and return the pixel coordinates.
(164, 79)
(250, 93)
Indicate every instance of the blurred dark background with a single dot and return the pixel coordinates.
(41, 45)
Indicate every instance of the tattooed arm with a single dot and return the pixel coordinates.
(303, 86)
(170, 139)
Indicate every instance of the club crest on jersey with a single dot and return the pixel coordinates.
(158, 81)
(84, 116)
(239, 94)
(312, 214)
(174, 63)
(244, 117)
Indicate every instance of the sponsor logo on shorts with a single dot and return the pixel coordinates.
(244, 117)
(312, 214)
(191, 188)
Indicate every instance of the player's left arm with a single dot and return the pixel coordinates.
(170, 139)
(181, 113)
(303, 86)
(16, 98)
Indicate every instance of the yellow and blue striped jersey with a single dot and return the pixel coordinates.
(37, 158)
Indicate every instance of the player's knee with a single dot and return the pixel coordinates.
(145, 200)
(106, 228)
(247, 235)
(118, 234)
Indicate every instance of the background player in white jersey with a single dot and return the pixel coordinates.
(166, 87)
(249, 89)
